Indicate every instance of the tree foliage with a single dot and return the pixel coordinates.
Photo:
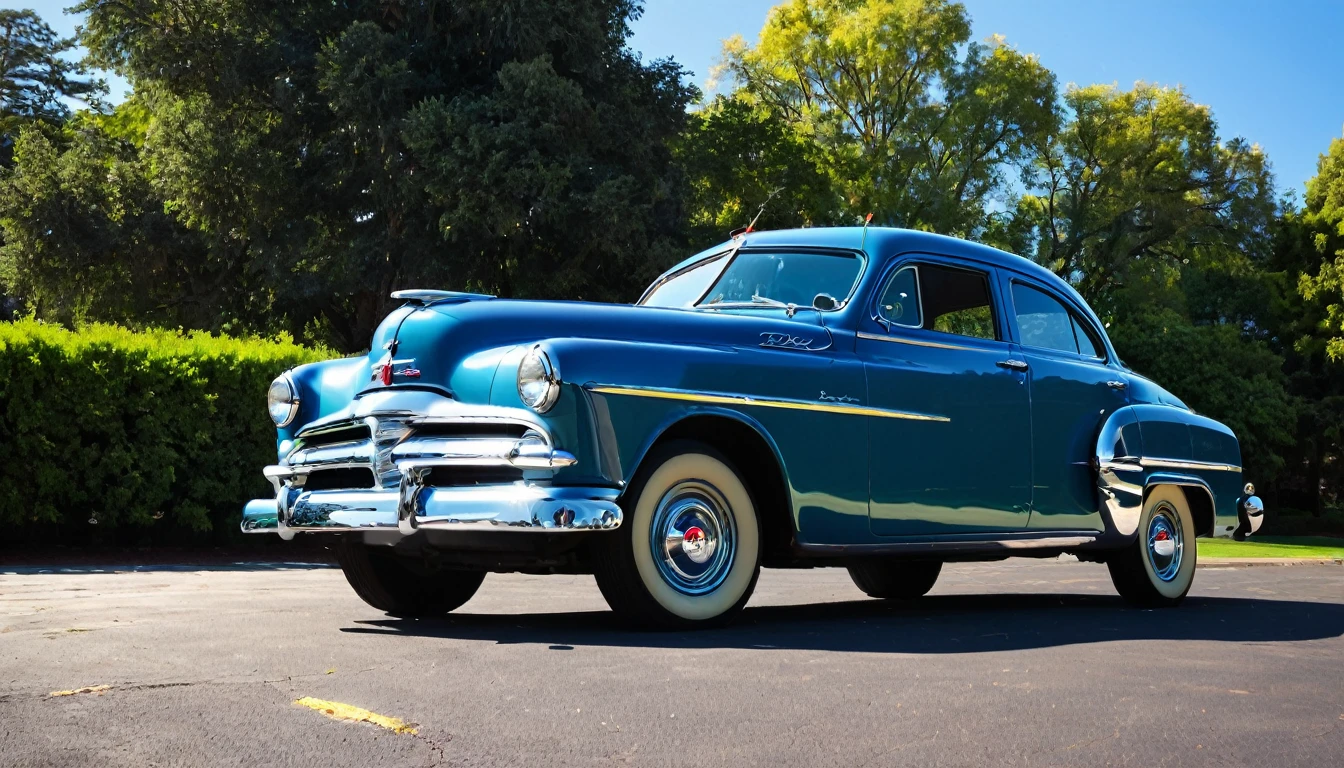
(740, 160)
(86, 236)
(1136, 183)
(1323, 222)
(331, 154)
(35, 77)
(917, 124)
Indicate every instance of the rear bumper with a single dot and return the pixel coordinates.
(516, 507)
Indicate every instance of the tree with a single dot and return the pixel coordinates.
(1323, 221)
(86, 237)
(1136, 184)
(1308, 256)
(331, 154)
(34, 78)
(918, 126)
(738, 158)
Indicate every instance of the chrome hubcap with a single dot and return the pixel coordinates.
(693, 537)
(1166, 545)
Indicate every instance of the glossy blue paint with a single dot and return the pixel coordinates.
(1010, 450)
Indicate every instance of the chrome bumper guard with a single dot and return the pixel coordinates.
(403, 453)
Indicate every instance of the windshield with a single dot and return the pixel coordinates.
(775, 277)
(687, 286)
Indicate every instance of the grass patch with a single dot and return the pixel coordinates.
(1274, 546)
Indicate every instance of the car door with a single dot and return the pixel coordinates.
(1073, 390)
(955, 455)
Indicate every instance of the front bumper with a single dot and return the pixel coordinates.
(403, 461)
(507, 507)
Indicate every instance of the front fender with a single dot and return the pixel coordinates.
(620, 397)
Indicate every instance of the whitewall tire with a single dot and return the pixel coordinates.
(1158, 568)
(688, 553)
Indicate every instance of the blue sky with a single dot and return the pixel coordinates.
(1273, 72)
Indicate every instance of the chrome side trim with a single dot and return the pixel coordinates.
(1147, 462)
(732, 399)
(963, 543)
(914, 342)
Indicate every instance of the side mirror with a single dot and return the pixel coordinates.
(824, 302)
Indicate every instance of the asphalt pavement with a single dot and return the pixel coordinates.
(1023, 662)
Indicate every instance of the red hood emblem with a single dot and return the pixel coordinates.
(384, 371)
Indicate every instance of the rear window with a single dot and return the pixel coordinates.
(1044, 322)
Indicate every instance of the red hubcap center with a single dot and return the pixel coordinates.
(693, 535)
(1162, 536)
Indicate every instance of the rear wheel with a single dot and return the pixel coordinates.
(1158, 568)
(688, 553)
(895, 580)
(393, 584)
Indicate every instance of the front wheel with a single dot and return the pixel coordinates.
(392, 584)
(688, 554)
(1158, 568)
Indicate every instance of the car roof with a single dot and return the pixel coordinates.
(883, 242)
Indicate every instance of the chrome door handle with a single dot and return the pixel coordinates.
(1113, 384)
(1016, 365)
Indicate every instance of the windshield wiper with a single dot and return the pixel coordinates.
(756, 301)
(789, 308)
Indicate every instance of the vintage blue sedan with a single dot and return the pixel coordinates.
(876, 399)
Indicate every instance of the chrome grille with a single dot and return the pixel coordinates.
(366, 453)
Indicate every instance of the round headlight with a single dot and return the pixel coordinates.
(282, 400)
(538, 380)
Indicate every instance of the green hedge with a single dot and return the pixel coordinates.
(159, 436)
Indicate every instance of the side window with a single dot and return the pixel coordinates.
(900, 302)
(1086, 345)
(938, 298)
(957, 301)
(1042, 321)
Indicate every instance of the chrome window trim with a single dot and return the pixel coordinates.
(733, 254)
(1079, 326)
(919, 297)
(1069, 307)
(665, 279)
(921, 342)
(989, 272)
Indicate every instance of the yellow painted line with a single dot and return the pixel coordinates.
(339, 711)
(89, 689)
(797, 405)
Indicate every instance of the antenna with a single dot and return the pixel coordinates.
(752, 226)
(864, 239)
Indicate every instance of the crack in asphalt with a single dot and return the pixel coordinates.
(134, 686)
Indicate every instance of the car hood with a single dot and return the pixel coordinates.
(439, 340)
